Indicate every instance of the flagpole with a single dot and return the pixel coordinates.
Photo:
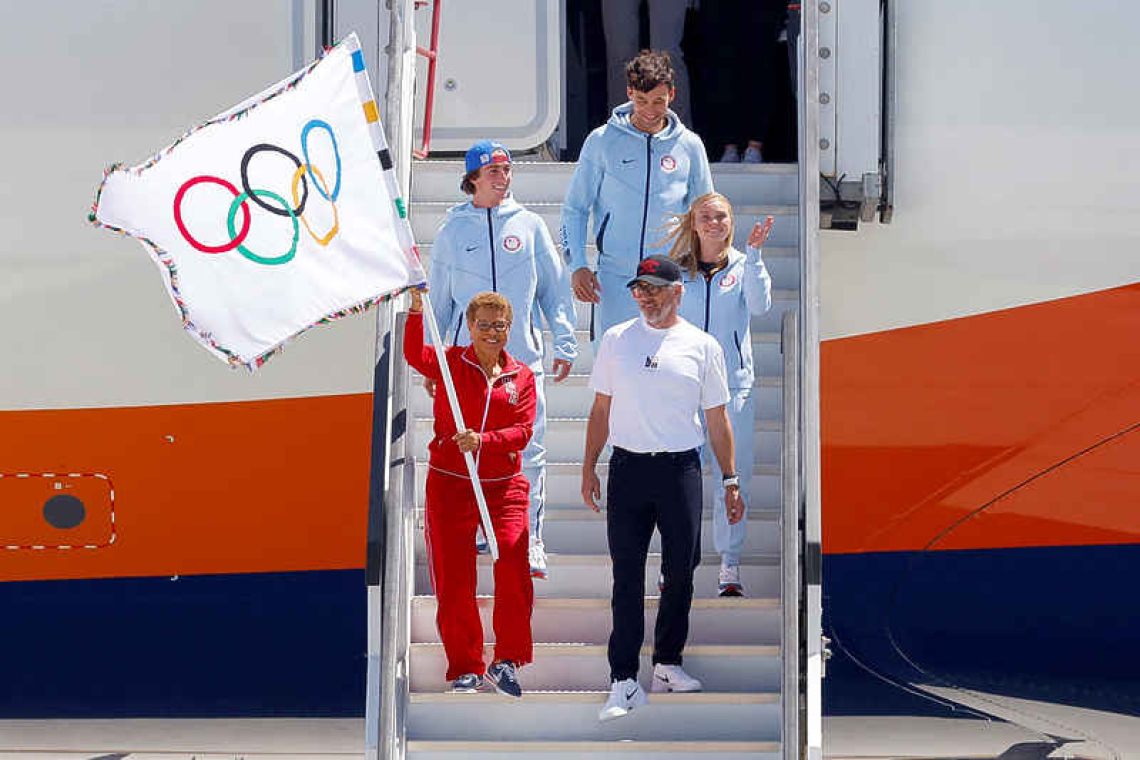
(484, 515)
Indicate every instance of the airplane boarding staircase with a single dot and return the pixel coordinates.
(735, 645)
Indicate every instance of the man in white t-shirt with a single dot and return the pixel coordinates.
(652, 377)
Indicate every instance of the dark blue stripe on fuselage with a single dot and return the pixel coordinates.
(267, 644)
(1056, 624)
(1053, 624)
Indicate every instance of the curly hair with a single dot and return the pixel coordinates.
(685, 246)
(488, 300)
(648, 70)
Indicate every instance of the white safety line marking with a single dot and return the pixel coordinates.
(64, 547)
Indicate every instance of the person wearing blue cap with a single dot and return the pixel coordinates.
(491, 243)
(633, 173)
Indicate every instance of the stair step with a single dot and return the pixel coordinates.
(766, 357)
(535, 181)
(566, 436)
(719, 620)
(782, 262)
(427, 217)
(564, 481)
(567, 665)
(573, 396)
(573, 715)
(579, 530)
(768, 322)
(591, 575)
(622, 749)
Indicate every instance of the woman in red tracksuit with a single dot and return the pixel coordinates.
(497, 399)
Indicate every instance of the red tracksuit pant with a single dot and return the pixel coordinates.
(451, 519)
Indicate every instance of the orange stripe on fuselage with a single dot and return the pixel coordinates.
(1006, 429)
(260, 486)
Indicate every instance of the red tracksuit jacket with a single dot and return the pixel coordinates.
(501, 411)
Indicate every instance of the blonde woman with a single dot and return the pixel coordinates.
(723, 289)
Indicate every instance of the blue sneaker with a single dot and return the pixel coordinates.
(503, 675)
(468, 683)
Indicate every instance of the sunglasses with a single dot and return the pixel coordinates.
(646, 288)
(499, 325)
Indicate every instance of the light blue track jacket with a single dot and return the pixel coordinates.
(508, 250)
(631, 181)
(723, 306)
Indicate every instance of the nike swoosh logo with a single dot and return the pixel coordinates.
(629, 694)
(472, 248)
(628, 160)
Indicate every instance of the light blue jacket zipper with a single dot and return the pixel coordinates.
(507, 250)
(723, 306)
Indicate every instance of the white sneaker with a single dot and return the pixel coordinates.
(624, 696)
(672, 678)
(752, 155)
(537, 556)
(729, 578)
(731, 155)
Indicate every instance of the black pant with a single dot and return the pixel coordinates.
(740, 38)
(647, 491)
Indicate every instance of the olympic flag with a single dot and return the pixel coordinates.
(278, 214)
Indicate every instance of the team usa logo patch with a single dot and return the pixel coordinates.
(668, 163)
(511, 243)
(728, 281)
(651, 362)
(512, 391)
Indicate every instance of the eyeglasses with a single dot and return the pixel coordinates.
(646, 288)
(499, 325)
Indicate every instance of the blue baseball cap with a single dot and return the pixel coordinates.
(487, 152)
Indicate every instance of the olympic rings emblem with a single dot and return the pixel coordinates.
(300, 191)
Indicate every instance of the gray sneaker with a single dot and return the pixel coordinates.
(468, 683)
(729, 581)
(537, 556)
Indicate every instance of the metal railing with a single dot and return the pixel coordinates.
(432, 54)
(890, 109)
(391, 536)
(806, 418)
(791, 655)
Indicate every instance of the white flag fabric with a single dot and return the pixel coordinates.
(278, 214)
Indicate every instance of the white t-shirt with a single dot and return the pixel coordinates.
(658, 381)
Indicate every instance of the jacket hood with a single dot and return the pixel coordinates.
(620, 119)
(509, 207)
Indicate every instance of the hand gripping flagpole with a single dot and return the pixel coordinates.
(445, 370)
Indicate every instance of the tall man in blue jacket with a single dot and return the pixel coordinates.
(635, 170)
(492, 243)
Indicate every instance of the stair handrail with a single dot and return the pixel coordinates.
(432, 54)
(388, 678)
(809, 595)
(791, 502)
